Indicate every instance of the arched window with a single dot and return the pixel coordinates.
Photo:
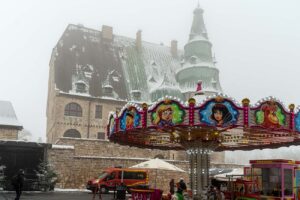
(73, 109)
(72, 133)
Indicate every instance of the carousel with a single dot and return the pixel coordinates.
(217, 123)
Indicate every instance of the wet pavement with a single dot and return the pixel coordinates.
(55, 196)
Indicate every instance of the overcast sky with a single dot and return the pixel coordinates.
(256, 43)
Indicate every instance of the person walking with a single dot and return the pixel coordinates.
(18, 181)
(172, 186)
(96, 188)
(181, 189)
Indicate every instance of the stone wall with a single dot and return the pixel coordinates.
(78, 160)
(8, 133)
(104, 148)
(74, 171)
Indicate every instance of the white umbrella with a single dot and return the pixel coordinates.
(157, 164)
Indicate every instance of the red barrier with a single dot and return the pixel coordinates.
(151, 194)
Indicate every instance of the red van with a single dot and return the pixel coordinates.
(112, 177)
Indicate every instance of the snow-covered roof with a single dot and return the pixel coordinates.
(117, 63)
(8, 116)
(200, 98)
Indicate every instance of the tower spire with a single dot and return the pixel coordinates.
(198, 26)
(198, 61)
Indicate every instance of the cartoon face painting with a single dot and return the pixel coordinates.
(168, 113)
(270, 118)
(220, 114)
(164, 116)
(129, 120)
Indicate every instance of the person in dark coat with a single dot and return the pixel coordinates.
(18, 182)
(182, 185)
(172, 186)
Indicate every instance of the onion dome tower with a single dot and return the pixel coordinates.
(198, 63)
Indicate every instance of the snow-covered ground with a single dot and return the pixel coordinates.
(70, 190)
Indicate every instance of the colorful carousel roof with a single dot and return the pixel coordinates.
(218, 123)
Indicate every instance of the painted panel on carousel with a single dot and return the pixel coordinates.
(112, 124)
(270, 115)
(219, 112)
(297, 121)
(130, 118)
(168, 113)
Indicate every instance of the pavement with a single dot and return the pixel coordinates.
(55, 196)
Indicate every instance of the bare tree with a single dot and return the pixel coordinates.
(24, 135)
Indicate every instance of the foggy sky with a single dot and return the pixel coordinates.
(256, 43)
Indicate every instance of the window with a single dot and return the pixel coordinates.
(134, 175)
(80, 87)
(288, 182)
(73, 133)
(111, 176)
(271, 181)
(98, 112)
(73, 109)
(101, 136)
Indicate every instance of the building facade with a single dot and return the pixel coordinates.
(94, 72)
(9, 124)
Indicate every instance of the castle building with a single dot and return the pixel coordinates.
(93, 72)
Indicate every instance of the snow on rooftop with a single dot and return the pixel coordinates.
(76, 93)
(56, 146)
(7, 115)
(199, 38)
(196, 65)
(124, 158)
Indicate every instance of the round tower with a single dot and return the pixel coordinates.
(166, 88)
(198, 63)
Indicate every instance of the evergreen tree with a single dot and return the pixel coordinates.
(47, 178)
(2, 177)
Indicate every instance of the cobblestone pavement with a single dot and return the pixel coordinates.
(54, 196)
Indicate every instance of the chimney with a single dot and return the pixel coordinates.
(174, 48)
(107, 33)
(138, 40)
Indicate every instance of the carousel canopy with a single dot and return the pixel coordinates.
(218, 123)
